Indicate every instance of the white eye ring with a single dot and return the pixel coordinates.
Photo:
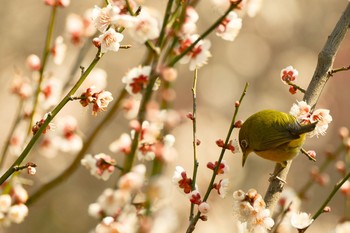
(244, 144)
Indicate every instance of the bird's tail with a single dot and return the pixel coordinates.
(298, 129)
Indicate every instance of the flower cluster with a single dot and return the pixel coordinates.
(250, 208)
(288, 75)
(12, 203)
(136, 80)
(100, 165)
(115, 207)
(229, 27)
(152, 144)
(80, 27)
(302, 111)
(65, 138)
(99, 100)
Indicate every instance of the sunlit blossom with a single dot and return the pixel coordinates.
(198, 55)
(59, 50)
(33, 62)
(136, 80)
(100, 165)
(122, 144)
(110, 40)
(66, 138)
(102, 17)
(229, 27)
(80, 27)
(301, 220)
(146, 27)
(250, 208)
(289, 74)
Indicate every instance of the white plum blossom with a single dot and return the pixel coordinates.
(101, 165)
(323, 118)
(198, 55)
(250, 208)
(17, 213)
(33, 62)
(133, 180)
(66, 138)
(343, 227)
(59, 50)
(122, 144)
(21, 87)
(136, 80)
(252, 7)
(229, 27)
(78, 28)
(189, 26)
(110, 40)
(302, 112)
(146, 27)
(102, 17)
(301, 220)
(51, 90)
(289, 74)
(131, 107)
(223, 187)
(5, 203)
(203, 208)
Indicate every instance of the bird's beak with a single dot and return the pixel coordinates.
(244, 158)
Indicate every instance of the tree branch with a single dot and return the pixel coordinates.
(321, 75)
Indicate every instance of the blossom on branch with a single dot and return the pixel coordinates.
(229, 27)
(110, 40)
(198, 55)
(136, 80)
(80, 27)
(250, 208)
(302, 112)
(100, 165)
(289, 74)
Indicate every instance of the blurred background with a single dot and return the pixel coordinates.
(289, 32)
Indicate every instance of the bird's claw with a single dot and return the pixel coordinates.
(275, 176)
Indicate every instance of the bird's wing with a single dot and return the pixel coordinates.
(277, 136)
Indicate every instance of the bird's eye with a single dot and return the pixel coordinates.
(244, 143)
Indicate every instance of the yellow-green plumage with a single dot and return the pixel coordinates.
(273, 135)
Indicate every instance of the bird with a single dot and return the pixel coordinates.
(273, 135)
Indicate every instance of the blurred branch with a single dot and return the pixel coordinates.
(194, 220)
(321, 75)
(10, 135)
(75, 164)
(48, 119)
(44, 59)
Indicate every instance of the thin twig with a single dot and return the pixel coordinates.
(194, 135)
(10, 135)
(330, 73)
(302, 192)
(194, 221)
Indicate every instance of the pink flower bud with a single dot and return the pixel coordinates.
(169, 74)
(33, 62)
(204, 208)
(97, 42)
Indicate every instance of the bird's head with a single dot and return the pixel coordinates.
(245, 149)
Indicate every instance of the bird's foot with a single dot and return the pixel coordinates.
(275, 176)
